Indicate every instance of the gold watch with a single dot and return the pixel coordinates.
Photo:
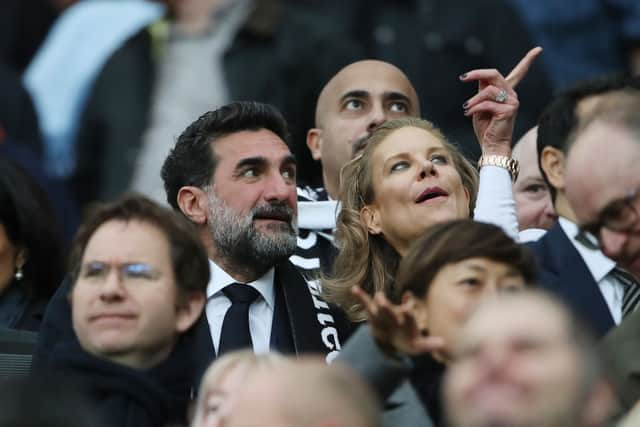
(508, 163)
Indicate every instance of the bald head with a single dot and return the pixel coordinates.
(362, 96)
(531, 193)
(362, 76)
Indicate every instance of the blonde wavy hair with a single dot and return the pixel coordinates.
(364, 259)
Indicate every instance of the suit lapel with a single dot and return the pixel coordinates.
(564, 272)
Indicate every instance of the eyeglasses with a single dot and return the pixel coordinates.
(620, 215)
(127, 272)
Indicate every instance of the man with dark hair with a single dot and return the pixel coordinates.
(232, 174)
(136, 289)
(584, 277)
(523, 360)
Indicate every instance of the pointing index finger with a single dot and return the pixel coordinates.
(519, 71)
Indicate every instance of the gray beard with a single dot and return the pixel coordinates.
(239, 242)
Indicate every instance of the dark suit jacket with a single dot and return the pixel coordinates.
(122, 396)
(563, 272)
(302, 323)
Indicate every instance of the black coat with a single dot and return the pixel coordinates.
(126, 397)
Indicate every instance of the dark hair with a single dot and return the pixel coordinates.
(456, 241)
(559, 118)
(188, 256)
(30, 224)
(192, 160)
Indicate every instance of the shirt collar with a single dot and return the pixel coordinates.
(220, 279)
(597, 263)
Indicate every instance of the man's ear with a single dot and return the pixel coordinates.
(552, 163)
(194, 203)
(189, 310)
(314, 142)
(371, 219)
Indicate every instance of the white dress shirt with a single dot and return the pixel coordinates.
(600, 266)
(260, 312)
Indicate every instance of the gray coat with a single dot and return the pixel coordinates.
(388, 376)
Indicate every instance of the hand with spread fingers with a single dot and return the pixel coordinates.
(495, 106)
(394, 326)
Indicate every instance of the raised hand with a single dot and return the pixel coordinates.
(495, 106)
(394, 326)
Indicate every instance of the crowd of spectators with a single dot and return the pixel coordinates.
(320, 213)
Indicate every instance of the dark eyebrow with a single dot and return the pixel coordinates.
(354, 94)
(251, 161)
(396, 96)
(259, 161)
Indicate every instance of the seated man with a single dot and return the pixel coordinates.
(138, 283)
(607, 205)
(523, 360)
(590, 282)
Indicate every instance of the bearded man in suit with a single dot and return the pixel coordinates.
(232, 174)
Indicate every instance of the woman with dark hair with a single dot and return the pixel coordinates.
(31, 250)
(441, 279)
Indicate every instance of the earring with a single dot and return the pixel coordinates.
(19, 274)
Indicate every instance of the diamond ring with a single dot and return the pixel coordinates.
(502, 96)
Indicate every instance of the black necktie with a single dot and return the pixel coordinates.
(631, 295)
(235, 333)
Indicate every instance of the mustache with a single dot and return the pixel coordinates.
(280, 212)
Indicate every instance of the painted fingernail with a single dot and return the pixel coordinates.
(463, 76)
(466, 112)
(465, 105)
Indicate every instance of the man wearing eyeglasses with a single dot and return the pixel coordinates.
(137, 288)
(603, 178)
(588, 281)
(603, 186)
